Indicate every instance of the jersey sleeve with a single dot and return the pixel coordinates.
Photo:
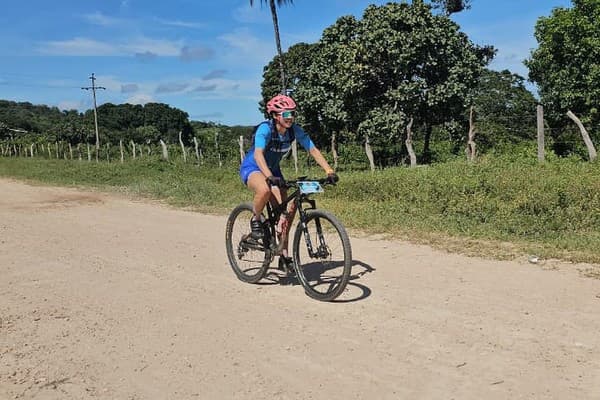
(303, 138)
(262, 136)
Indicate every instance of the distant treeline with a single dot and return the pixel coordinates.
(144, 124)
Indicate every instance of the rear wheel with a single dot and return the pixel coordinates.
(325, 271)
(249, 259)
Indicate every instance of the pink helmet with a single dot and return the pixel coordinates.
(281, 103)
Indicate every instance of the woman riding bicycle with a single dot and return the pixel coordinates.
(260, 169)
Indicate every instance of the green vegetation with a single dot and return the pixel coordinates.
(499, 207)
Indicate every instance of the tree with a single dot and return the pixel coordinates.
(505, 109)
(451, 6)
(371, 76)
(297, 59)
(277, 37)
(565, 64)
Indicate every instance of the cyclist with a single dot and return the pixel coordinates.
(260, 169)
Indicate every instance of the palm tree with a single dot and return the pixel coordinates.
(277, 39)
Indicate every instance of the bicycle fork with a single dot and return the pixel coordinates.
(322, 251)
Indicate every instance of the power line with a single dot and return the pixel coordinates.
(93, 89)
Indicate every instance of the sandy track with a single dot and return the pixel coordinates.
(104, 297)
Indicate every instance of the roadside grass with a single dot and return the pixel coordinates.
(501, 207)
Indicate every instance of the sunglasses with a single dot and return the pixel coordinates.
(288, 114)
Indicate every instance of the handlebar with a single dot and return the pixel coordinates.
(294, 182)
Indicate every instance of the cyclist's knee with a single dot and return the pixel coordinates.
(263, 191)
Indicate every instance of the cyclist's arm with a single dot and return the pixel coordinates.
(312, 149)
(321, 160)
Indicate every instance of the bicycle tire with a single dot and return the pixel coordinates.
(249, 263)
(325, 275)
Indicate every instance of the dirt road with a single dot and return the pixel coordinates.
(109, 298)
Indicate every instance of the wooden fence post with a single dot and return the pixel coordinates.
(471, 146)
(369, 152)
(584, 134)
(217, 148)
(334, 152)
(540, 133)
(182, 148)
(409, 146)
(241, 142)
(198, 151)
(295, 154)
(89, 153)
(165, 151)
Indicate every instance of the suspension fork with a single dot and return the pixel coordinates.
(304, 228)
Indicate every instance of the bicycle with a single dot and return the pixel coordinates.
(322, 265)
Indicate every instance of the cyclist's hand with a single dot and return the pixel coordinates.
(332, 178)
(275, 181)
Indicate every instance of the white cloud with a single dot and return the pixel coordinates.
(197, 53)
(77, 47)
(252, 15)
(129, 88)
(111, 83)
(247, 48)
(140, 99)
(214, 74)
(71, 105)
(98, 18)
(181, 24)
(89, 47)
(159, 47)
(171, 87)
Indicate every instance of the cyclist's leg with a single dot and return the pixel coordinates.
(279, 196)
(257, 182)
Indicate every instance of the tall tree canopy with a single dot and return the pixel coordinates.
(505, 109)
(565, 65)
(400, 61)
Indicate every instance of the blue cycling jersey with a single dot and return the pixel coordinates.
(274, 146)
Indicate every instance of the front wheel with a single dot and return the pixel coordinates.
(249, 260)
(324, 261)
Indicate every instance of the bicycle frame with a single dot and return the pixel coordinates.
(274, 213)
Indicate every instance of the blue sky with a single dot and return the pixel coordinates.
(203, 57)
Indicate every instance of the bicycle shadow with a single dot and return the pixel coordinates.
(363, 290)
(313, 273)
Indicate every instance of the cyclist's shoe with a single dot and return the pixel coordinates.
(258, 229)
(286, 264)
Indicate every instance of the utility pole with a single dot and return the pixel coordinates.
(93, 89)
